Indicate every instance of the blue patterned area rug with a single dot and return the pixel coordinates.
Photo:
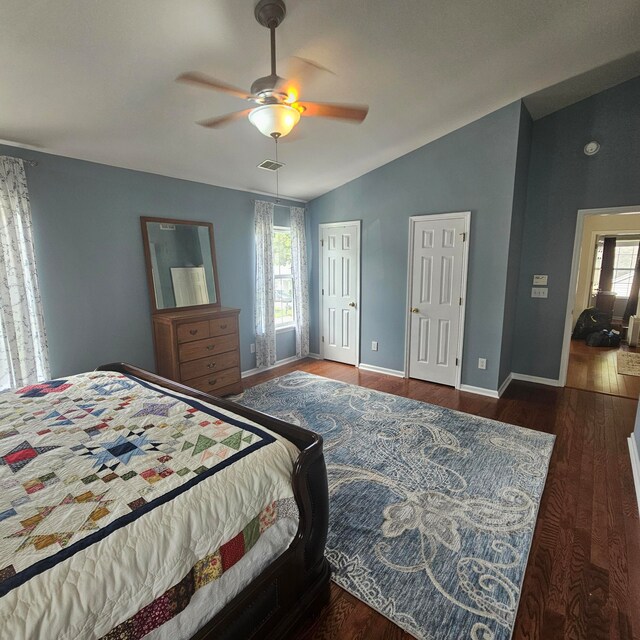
(432, 511)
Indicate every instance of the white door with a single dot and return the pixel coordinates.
(436, 297)
(340, 260)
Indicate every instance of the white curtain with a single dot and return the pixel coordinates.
(23, 341)
(300, 280)
(264, 309)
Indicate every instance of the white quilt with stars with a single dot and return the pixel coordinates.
(111, 489)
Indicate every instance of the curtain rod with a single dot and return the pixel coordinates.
(301, 205)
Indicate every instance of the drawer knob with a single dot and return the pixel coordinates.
(193, 331)
(223, 326)
(213, 381)
(211, 365)
(210, 347)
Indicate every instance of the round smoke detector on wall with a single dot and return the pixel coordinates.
(591, 148)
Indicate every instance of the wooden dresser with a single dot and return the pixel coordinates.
(200, 348)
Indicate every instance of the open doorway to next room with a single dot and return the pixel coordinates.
(604, 353)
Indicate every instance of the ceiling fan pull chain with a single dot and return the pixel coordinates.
(277, 177)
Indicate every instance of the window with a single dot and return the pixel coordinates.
(623, 267)
(283, 278)
(624, 264)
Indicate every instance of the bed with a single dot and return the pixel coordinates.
(132, 506)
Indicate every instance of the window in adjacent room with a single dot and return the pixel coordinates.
(624, 267)
(625, 257)
(283, 278)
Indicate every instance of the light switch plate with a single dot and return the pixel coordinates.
(539, 292)
(540, 280)
(374, 345)
(482, 363)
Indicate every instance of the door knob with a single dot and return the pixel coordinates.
(415, 310)
(352, 304)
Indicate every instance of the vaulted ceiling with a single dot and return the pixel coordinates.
(95, 79)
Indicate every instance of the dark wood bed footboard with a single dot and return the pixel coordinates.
(297, 583)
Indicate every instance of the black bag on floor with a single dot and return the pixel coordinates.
(603, 339)
(591, 320)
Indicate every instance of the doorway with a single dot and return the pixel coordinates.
(436, 296)
(340, 291)
(605, 279)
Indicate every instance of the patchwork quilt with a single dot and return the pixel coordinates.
(113, 491)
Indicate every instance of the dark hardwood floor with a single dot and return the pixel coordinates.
(583, 575)
(596, 369)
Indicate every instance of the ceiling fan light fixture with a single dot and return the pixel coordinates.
(274, 120)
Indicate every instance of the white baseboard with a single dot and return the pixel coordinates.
(252, 372)
(315, 356)
(550, 382)
(387, 372)
(503, 387)
(490, 393)
(635, 466)
(481, 391)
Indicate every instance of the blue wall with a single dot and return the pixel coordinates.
(563, 180)
(515, 243)
(91, 265)
(86, 220)
(471, 169)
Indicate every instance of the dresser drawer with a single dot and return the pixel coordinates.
(216, 380)
(193, 331)
(222, 326)
(207, 366)
(210, 347)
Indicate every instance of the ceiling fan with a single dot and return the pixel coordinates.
(277, 108)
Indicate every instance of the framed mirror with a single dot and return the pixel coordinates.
(181, 264)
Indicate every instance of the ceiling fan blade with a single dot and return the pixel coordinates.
(203, 80)
(352, 112)
(221, 121)
(300, 72)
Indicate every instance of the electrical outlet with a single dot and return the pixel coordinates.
(482, 363)
(539, 292)
(374, 345)
(253, 347)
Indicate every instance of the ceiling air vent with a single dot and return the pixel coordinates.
(271, 165)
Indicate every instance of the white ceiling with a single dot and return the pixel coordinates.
(93, 79)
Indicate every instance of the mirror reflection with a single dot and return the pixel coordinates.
(182, 268)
